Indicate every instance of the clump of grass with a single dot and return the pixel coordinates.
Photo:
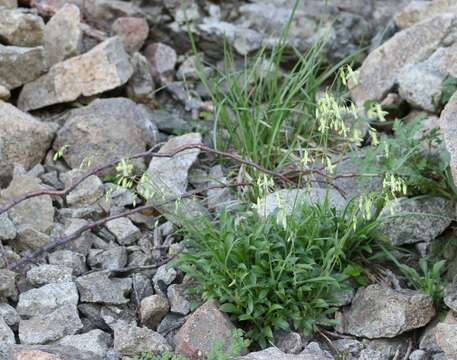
(278, 273)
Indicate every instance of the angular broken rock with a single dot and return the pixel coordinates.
(51, 327)
(419, 10)
(290, 200)
(380, 70)
(141, 86)
(202, 329)
(123, 229)
(153, 309)
(416, 220)
(98, 287)
(105, 130)
(379, 312)
(133, 32)
(20, 27)
(73, 260)
(7, 283)
(50, 352)
(103, 68)
(448, 126)
(63, 35)
(163, 60)
(95, 341)
(131, 340)
(274, 353)
(20, 65)
(86, 193)
(446, 335)
(9, 314)
(6, 334)
(450, 295)
(48, 274)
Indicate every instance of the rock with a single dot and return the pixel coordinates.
(450, 294)
(50, 327)
(105, 130)
(131, 340)
(219, 198)
(70, 259)
(164, 276)
(9, 4)
(4, 93)
(273, 353)
(168, 122)
(123, 229)
(88, 192)
(6, 334)
(32, 216)
(103, 68)
(20, 27)
(378, 312)
(288, 342)
(314, 349)
(163, 60)
(50, 352)
(290, 199)
(449, 130)
(7, 283)
(427, 340)
(9, 314)
(178, 301)
(380, 70)
(423, 227)
(153, 309)
(63, 36)
(25, 143)
(202, 329)
(98, 287)
(20, 65)
(418, 355)
(133, 32)
(114, 258)
(350, 348)
(95, 342)
(46, 299)
(141, 86)
(7, 228)
(419, 10)
(446, 335)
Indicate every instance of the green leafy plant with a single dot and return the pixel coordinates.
(279, 272)
(164, 356)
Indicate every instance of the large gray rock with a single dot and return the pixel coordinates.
(103, 68)
(420, 10)
(86, 193)
(379, 312)
(206, 325)
(43, 329)
(448, 126)
(25, 143)
(123, 229)
(113, 258)
(410, 221)
(6, 334)
(95, 341)
(380, 70)
(20, 27)
(20, 65)
(48, 274)
(131, 340)
(47, 298)
(49, 352)
(274, 353)
(153, 309)
(105, 130)
(446, 335)
(290, 200)
(98, 287)
(73, 260)
(9, 314)
(63, 35)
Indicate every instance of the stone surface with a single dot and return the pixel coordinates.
(449, 129)
(288, 342)
(63, 35)
(420, 10)
(103, 68)
(380, 70)
(378, 312)
(47, 274)
(6, 334)
(46, 299)
(98, 287)
(432, 217)
(7, 283)
(123, 229)
(20, 65)
(113, 258)
(196, 338)
(7, 228)
(163, 60)
(20, 27)
(9, 4)
(131, 340)
(273, 353)
(291, 199)
(178, 301)
(446, 335)
(164, 276)
(450, 294)
(105, 130)
(133, 32)
(5, 94)
(86, 193)
(9, 314)
(50, 352)
(70, 259)
(96, 342)
(141, 86)
(51, 327)
(153, 309)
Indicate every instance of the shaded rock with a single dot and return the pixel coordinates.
(291, 199)
(449, 130)
(86, 193)
(103, 68)
(98, 287)
(6, 334)
(350, 348)
(273, 353)
(20, 65)
(47, 274)
(446, 335)
(380, 70)
(141, 86)
(164, 276)
(202, 329)
(50, 352)
(450, 294)
(7, 228)
(178, 301)
(123, 229)
(163, 60)
(426, 219)
(219, 198)
(25, 143)
(70, 259)
(20, 27)
(47, 299)
(153, 309)
(114, 258)
(427, 340)
(51, 327)
(9, 314)
(378, 312)
(288, 342)
(133, 32)
(131, 340)
(96, 342)
(7, 283)
(168, 122)
(418, 355)
(63, 35)
(105, 130)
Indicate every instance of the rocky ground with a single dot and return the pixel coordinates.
(85, 82)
